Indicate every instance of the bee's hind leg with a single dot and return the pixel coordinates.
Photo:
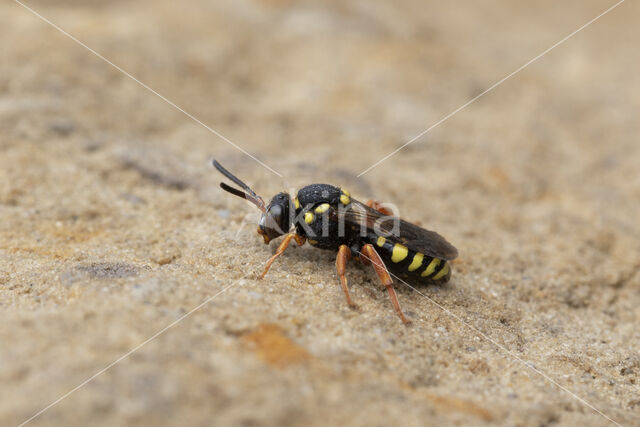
(344, 253)
(374, 204)
(370, 253)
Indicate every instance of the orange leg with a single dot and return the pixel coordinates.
(369, 252)
(344, 253)
(283, 246)
(374, 204)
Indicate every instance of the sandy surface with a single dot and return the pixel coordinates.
(112, 226)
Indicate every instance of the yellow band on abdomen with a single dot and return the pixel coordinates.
(417, 261)
(442, 272)
(399, 252)
(431, 267)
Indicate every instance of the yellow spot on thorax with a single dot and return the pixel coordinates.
(345, 200)
(323, 208)
(442, 272)
(399, 252)
(431, 267)
(296, 203)
(308, 217)
(381, 241)
(417, 261)
(345, 192)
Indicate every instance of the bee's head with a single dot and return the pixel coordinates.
(275, 220)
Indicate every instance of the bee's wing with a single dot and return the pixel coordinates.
(416, 238)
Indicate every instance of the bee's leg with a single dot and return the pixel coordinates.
(283, 246)
(299, 239)
(374, 204)
(363, 260)
(344, 253)
(356, 249)
(369, 252)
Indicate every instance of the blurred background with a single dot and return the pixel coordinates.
(112, 226)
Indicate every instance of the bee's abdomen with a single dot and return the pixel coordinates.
(406, 263)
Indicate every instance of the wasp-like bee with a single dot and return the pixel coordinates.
(329, 218)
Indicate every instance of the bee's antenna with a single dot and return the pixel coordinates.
(250, 195)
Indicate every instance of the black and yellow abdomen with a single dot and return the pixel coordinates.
(406, 263)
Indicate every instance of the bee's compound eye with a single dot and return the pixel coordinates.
(275, 212)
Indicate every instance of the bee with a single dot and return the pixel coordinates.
(327, 217)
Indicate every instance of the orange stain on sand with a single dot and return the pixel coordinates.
(271, 344)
